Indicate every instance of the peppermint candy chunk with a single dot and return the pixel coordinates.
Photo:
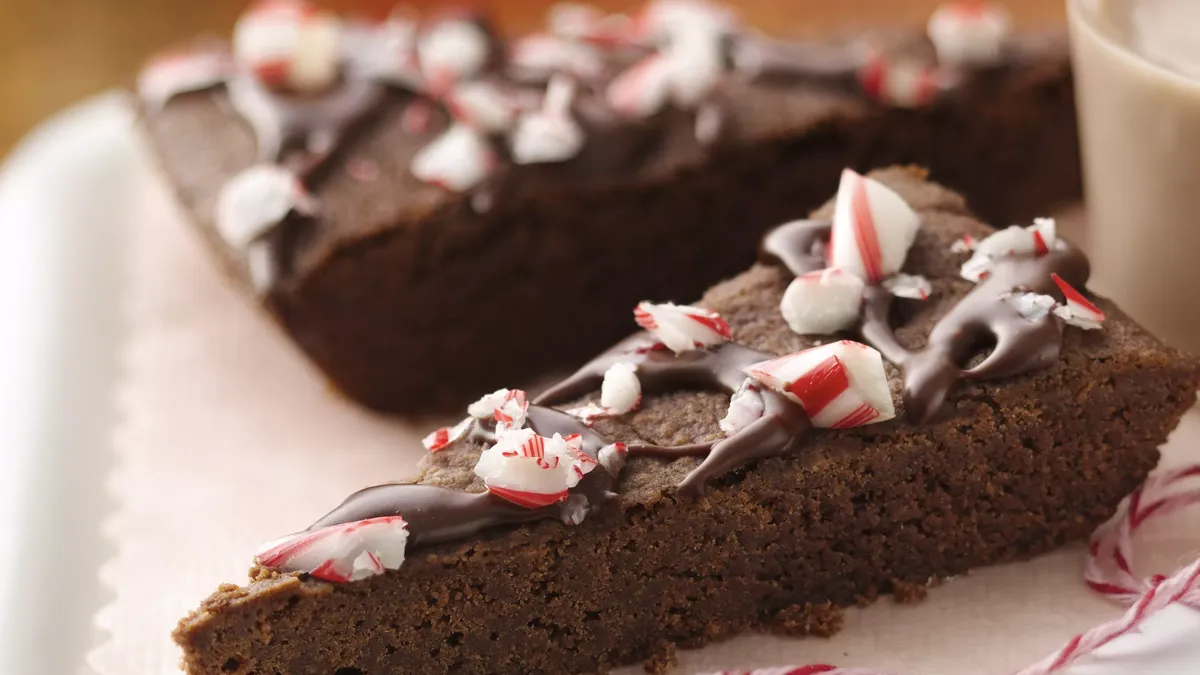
(531, 470)
(537, 57)
(840, 385)
(904, 83)
(1034, 240)
(682, 328)
(507, 406)
(1079, 311)
(964, 245)
(696, 62)
(969, 33)
(745, 406)
(341, 553)
(289, 44)
(1032, 306)
(550, 134)
(822, 302)
(385, 52)
(644, 89)
(873, 228)
(482, 105)
(621, 391)
(911, 286)
(452, 50)
(667, 20)
(256, 200)
(440, 439)
(457, 160)
(581, 22)
(485, 407)
(169, 75)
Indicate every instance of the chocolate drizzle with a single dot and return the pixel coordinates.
(983, 318)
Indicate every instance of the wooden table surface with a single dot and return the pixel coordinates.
(54, 52)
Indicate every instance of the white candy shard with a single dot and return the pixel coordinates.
(642, 90)
(457, 160)
(667, 20)
(873, 228)
(822, 302)
(696, 62)
(452, 50)
(440, 439)
(840, 385)
(964, 245)
(386, 52)
(1079, 311)
(745, 406)
(256, 200)
(911, 286)
(532, 470)
(621, 391)
(904, 84)
(178, 73)
(612, 457)
(482, 105)
(551, 133)
(540, 56)
(289, 43)
(341, 553)
(680, 327)
(1032, 306)
(1036, 240)
(969, 32)
(507, 406)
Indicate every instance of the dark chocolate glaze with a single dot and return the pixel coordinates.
(983, 318)
(721, 368)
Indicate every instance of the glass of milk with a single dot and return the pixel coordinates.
(1137, 73)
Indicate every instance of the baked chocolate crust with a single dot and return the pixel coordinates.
(1006, 470)
(408, 297)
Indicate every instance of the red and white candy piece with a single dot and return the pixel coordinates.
(1032, 306)
(457, 160)
(964, 245)
(696, 63)
(682, 328)
(540, 56)
(873, 228)
(667, 20)
(822, 302)
(745, 406)
(1079, 311)
(911, 286)
(452, 50)
(444, 437)
(1035, 240)
(905, 83)
(482, 105)
(532, 470)
(169, 75)
(506, 406)
(580, 22)
(550, 134)
(341, 553)
(642, 90)
(621, 390)
(289, 44)
(256, 200)
(840, 385)
(969, 32)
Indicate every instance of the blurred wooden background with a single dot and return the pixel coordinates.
(54, 52)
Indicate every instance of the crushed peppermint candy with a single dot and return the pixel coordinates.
(258, 199)
(550, 134)
(903, 84)
(457, 160)
(822, 302)
(507, 407)
(911, 286)
(670, 20)
(682, 328)
(444, 437)
(1036, 240)
(289, 44)
(643, 89)
(452, 50)
(621, 391)
(576, 21)
(873, 228)
(839, 385)
(482, 105)
(1032, 306)
(385, 52)
(969, 33)
(538, 57)
(341, 553)
(745, 406)
(1079, 311)
(695, 61)
(531, 470)
(964, 245)
(169, 75)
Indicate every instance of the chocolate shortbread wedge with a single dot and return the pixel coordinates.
(695, 516)
(392, 217)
